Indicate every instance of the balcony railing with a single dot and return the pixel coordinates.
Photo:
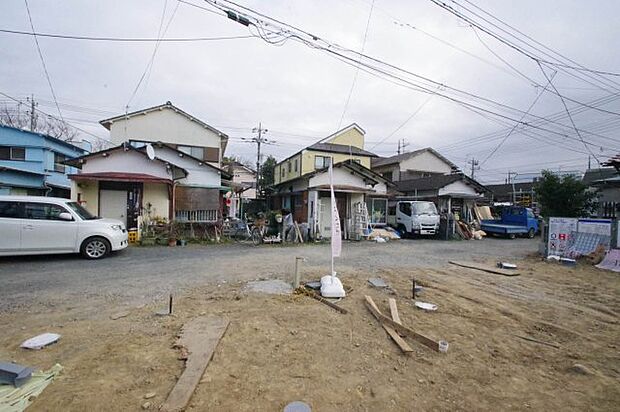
(198, 216)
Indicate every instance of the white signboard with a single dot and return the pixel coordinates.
(598, 226)
(560, 229)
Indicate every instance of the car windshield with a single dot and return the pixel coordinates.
(426, 208)
(81, 212)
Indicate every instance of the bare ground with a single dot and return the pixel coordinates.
(283, 348)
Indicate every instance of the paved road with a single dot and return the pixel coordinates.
(141, 274)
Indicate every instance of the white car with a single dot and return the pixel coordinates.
(33, 225)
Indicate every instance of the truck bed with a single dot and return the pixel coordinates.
(501, 228)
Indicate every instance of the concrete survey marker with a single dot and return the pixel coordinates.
(377, 282)
(271, 287)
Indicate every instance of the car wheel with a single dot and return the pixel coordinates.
(511, 236)
(95, 248)
(403, 231)
(531, 233)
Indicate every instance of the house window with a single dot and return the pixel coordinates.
(388, 176)
(12, 153)
(58, 159)
(321, 162)
(283, 172)
(296, 165)
(197, 152)
(290, 166)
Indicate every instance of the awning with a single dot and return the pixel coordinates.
(119, 177)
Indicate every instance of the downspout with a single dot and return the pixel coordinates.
(172, 208)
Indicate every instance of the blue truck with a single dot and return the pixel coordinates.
(515, 220)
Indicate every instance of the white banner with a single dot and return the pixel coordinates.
(336, 232)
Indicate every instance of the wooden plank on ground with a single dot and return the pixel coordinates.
(487, 268)
(321, 299)
(200, 337)
(398, 327)
(404, 346)
(394, 310)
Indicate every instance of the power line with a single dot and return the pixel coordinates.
(56, 118)
(424, 103)
(512, 45)
(569, 115)
(369, 65)
(578, 66)
(534, 81)
(152, 59)
(516, 124)
(346, 105)
(47, 75)
(125, 39)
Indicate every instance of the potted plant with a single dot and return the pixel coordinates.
(172, 234)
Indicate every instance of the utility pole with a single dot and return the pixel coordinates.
(514, 198)
(33, 122)
(401, 145)
(259, 140)
(474, 166)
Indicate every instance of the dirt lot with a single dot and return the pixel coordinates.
(283, 348)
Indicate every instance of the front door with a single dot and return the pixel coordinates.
(43, 230)
(341, 204)
(113, 204)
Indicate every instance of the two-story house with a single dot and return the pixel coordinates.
(32, 163)
(302, 182)
(412, 165)
(425, 174)
(243, 185)
(169, 124)
(166, 165)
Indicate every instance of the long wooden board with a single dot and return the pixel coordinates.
(404, 346)
(486, 268)
(403, 330)
(394, 310)
(200, 337)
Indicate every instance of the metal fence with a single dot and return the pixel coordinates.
(198, 216)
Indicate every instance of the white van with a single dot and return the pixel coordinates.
(33, 225)
(415, 217)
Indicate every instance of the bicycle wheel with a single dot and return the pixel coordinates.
(257, 236)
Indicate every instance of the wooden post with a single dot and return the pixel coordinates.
(296, 278)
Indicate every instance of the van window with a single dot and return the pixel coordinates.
(405, 208)
(42, 211)
(10, 210)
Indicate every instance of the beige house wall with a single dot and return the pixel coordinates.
(281, 173)
(89, 195)
(308, 157)
(157, 195)
(351, 137)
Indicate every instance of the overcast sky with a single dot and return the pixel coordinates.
(299, 93)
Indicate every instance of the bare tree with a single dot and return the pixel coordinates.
(22, 117)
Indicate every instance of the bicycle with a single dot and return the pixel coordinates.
(243, 231)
